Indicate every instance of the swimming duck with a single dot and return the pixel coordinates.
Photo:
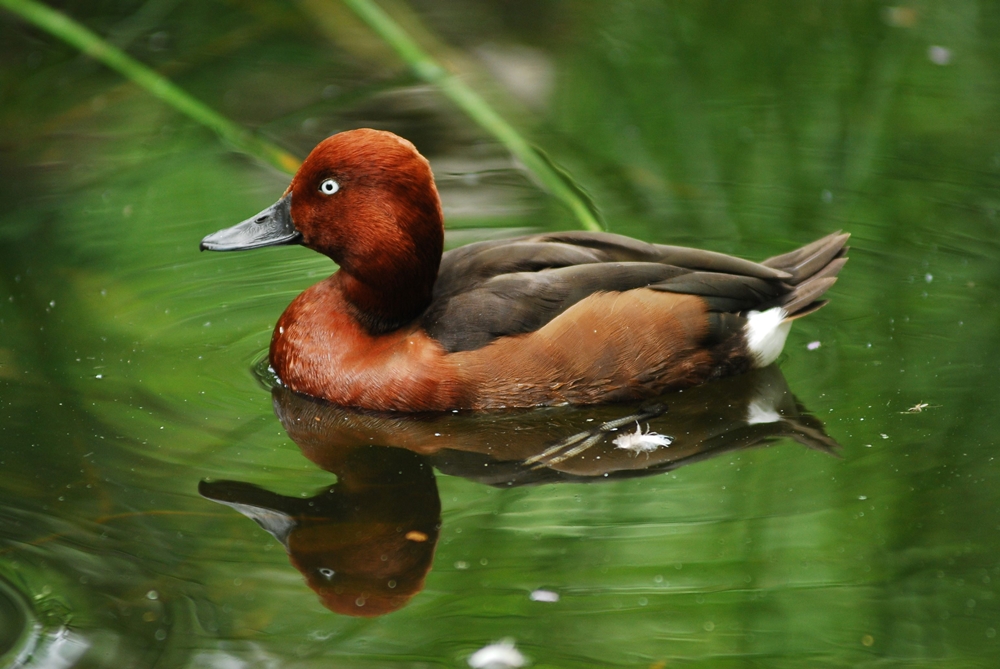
(544, 319)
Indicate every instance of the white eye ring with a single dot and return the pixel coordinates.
(329, 187)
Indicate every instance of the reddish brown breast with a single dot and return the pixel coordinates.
(318, 348)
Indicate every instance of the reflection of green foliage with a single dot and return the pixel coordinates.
(721, 129)
(553, 178)
(72, 32)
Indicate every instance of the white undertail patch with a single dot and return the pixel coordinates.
(765, 334)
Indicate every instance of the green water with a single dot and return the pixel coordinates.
(127, 358)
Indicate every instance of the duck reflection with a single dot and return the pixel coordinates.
(366, 543)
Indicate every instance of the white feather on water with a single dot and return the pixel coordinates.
(642, 442)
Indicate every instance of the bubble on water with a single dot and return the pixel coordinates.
(939, 55)
(499, 655)
(544, 596)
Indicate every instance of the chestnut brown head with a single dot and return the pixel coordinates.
(362, 191)
(365, 198)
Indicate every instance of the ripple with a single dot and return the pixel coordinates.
(19, 630)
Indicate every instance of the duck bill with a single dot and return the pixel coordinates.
(271, 227)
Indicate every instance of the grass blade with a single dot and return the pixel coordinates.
(59, 25)
(427, 69)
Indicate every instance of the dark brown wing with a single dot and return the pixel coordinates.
(476, 262)
(496, 288)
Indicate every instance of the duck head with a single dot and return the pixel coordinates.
(366, 199)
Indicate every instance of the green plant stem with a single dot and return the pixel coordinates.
(71, 32)
(424, 66)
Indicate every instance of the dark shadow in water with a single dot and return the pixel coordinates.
(366, 543)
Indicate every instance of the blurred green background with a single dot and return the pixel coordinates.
(747, 128)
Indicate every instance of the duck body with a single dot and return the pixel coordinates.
(556, 318)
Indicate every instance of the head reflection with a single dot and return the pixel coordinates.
(365, 544)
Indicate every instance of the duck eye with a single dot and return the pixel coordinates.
(329, 187)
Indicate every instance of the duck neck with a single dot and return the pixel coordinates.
(391, 290)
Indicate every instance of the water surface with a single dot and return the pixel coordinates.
(129, 406)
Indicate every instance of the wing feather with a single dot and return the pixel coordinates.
(497, 288)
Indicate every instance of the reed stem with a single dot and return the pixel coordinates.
(59, 25)
(427, 69)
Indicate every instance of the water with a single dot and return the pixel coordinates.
(154, 511)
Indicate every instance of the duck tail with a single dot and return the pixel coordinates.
(813, 270)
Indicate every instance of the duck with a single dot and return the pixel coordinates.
(546, 319)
